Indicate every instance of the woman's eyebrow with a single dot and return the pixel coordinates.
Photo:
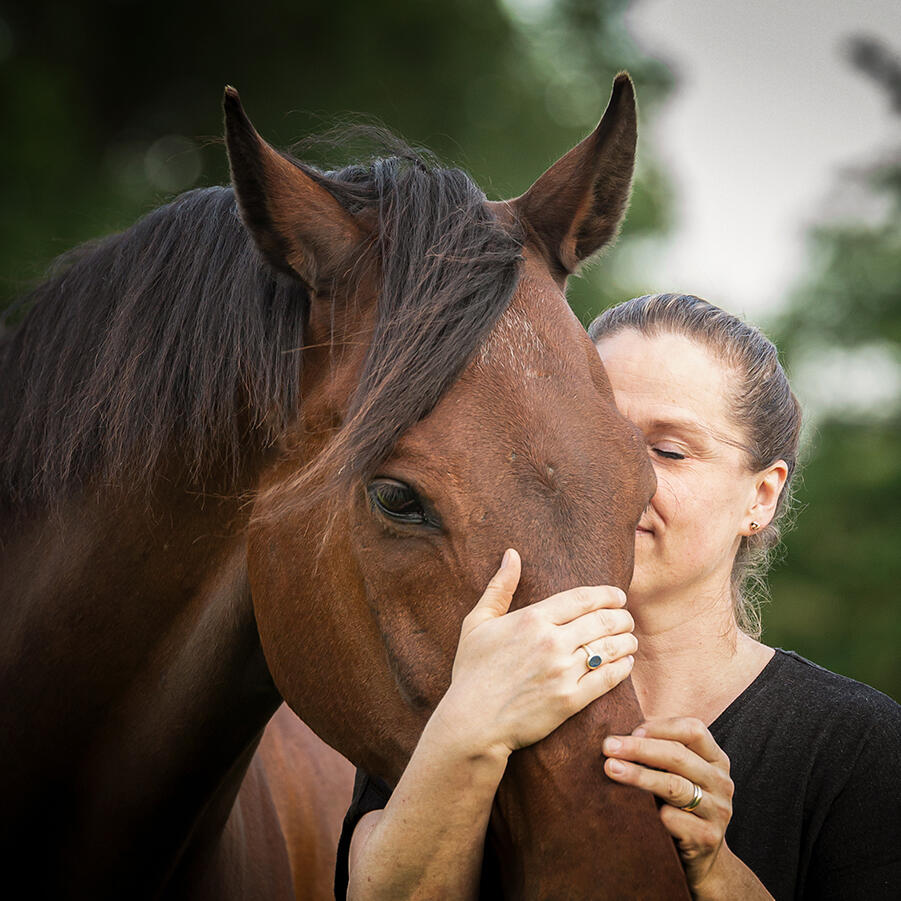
(692, 428)
(680, 425)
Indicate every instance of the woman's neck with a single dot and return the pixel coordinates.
(692, 659)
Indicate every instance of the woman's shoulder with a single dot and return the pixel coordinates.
(824, 752)
(808, 703)
(790, 672)
(806, 686)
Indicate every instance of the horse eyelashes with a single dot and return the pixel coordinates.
(397, 501)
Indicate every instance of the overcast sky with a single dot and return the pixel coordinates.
(766, 114)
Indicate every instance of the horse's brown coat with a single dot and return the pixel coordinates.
(533, 483)
(147, 639)
(310, 784)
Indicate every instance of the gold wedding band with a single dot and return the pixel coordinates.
(696, 798)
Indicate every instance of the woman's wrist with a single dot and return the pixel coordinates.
(455, 729)
(410, 852)
(729, 878)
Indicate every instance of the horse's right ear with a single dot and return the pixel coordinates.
(297, 223)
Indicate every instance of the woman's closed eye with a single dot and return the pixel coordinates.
(668, 454)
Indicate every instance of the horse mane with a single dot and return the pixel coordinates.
(175, 336)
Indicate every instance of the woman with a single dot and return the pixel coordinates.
(779, 779)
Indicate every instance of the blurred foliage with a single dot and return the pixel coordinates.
(112, 106)
(836, 596)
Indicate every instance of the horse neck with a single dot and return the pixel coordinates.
(134, 675)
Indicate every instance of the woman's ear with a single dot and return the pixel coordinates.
(768, 485)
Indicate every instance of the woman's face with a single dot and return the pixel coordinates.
(678, 394)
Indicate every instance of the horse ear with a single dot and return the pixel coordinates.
(297, 223)
(576, 207)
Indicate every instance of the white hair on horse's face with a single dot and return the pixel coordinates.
(513, 342)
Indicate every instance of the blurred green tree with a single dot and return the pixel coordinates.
(108, 105)
(835, 598)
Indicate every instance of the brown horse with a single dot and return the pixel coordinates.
(277, 455)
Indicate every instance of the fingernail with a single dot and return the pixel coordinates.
(630, 660)
(506, 558)
(616, 766)
(612, 745)
(622, 596)
(639, 731)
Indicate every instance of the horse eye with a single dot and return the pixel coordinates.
(396, 500)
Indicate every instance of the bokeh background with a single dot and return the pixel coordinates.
(769, 180)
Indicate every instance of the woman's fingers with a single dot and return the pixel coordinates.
(595, 683)
(687, 828)
(660, 754)
(671, 767)
(497, 597)
(674, 759)
(676, 788)
(688, 731)
(520, 674)
(576, 602)
(608, 648)
(593, 626)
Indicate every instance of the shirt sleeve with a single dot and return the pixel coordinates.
(857, 853)
(370, 793)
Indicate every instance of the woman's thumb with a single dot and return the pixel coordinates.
(498, 595)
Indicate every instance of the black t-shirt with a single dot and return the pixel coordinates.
(816, 762)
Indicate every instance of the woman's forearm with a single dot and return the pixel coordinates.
(429, 840)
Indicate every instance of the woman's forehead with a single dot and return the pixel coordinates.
(669, 377)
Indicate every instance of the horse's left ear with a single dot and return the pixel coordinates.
(576, 207)
(297, 223)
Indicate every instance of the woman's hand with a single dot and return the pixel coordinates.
(669, 757)
(517, 676)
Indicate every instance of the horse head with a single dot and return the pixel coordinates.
(451, 406)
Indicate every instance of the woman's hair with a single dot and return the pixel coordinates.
(763, 407)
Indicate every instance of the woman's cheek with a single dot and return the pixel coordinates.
(666, 498)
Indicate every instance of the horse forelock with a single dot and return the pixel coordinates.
(174, 338)
(449, 270)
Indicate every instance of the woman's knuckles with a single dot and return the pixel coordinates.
(571, 701)
(612, 677)
(674, 790)
(707, 835)
(695, 728)
(619, 646)
(587, 598)
(601, 622)
(557, 671)
(683, 759)
(723, 809)
(529, 618)
(540, 642)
